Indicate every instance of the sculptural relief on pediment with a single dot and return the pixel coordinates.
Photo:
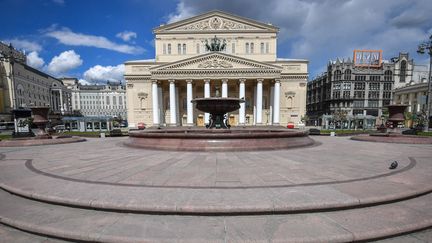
(215, 63)
(216, 23)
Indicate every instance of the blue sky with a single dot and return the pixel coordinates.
(91, 39)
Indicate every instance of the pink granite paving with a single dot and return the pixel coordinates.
(338, 191)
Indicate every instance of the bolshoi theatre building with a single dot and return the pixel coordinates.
(216, 54)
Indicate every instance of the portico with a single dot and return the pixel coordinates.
(184, 114)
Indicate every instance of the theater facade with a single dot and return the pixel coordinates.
(216, 54)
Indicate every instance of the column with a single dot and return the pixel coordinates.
(61, 101)
(224, 88)
(173, 115)
(206, 95)
(242, 95)
(276, 102)
(189, 103)
(259, 102)
(155, 105)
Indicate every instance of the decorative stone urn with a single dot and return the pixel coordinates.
(396, 114)
(40, 119)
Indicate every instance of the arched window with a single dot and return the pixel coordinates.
(388, 75)
(402, 71)
(347, 74)
(179, 49)
(338, 75)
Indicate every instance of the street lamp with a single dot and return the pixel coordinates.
(426, 47)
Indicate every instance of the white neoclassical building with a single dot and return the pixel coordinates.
(159, 91)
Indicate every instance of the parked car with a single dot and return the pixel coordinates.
(141, 126)
(59, 128)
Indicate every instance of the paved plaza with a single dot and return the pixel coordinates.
(337, 190)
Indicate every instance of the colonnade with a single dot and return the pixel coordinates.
(241, 94)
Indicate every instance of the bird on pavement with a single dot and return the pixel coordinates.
(393, 165)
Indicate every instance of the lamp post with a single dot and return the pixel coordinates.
(426, 47)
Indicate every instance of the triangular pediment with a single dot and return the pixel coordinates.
(216, 21)
(215, 61)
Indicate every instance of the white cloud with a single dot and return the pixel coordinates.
(33, 60)
(64, 62)
(100, 73)
(84, 82)
(126, 35)
(26, 45)
(67, 37)
(183, 11)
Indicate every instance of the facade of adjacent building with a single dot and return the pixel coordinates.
(414, 93)
(159, 91)
(22, 86)
(101, 100)
(359, 91)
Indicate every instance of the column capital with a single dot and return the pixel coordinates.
(224, 80)
(154, 81)
(277, 80)
(171, 80)
(189, 81)
(206, 80)
(242, 80)
(260, 80)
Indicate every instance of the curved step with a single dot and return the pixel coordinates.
(336, 226)
(408, 182)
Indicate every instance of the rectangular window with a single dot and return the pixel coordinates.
(359, 94)
(169, 48)
(387, 86)
(179, 49)
(262, 47)
(360, 78)
(267, 48)
(359, 86)
(184, 49)
(336, 94)
(347, 86)
(346, 94)
(107, 100)
(358, 103)
(373, 95)
(251, 47)
(374, 86)
(375, 78)
(164, 49)
(373, 103)
(247, 48)
(386, 95)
